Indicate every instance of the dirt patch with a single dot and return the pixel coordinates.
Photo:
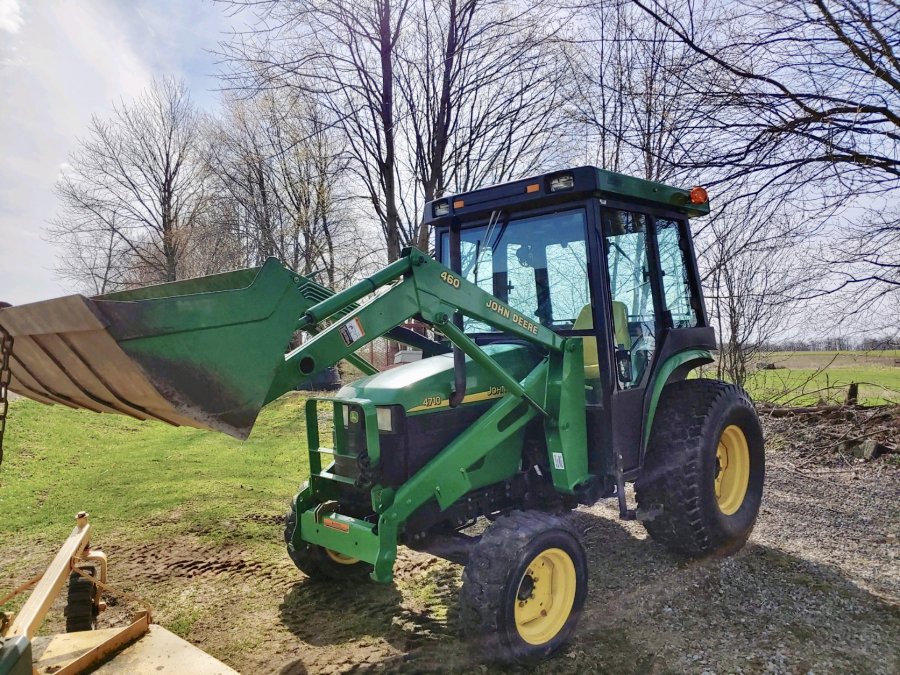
(184, 558)
(276, 519)
(816, 589)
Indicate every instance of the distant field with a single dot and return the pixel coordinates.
(806, 378)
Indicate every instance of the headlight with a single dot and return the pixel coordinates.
(345, 412)
(385, 419)
(441, 208)
(562, 182)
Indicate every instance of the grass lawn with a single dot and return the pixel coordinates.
(58, 461)
(806, 386)
(191, 522)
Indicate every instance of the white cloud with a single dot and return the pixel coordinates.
(10, 16)
(66, 61)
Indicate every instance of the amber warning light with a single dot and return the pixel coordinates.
(698, 195)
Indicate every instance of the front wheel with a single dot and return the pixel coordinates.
(523, 587)
(704, 470)
(317, 562)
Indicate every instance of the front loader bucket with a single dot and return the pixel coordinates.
(200, 353)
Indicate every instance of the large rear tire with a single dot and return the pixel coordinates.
(523, 588)
(317, 562)
(704, 470)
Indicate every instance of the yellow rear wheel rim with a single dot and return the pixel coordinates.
(340, 558)
(732, 470)
(545, 596)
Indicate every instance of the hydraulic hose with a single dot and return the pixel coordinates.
(459, 358)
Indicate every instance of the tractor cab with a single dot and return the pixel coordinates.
(593, 254)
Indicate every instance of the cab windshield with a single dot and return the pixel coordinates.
(537, 265)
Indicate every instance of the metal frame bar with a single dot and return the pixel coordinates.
(47, 586)
(34, 610)
(423, 287)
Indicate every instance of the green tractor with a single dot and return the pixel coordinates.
(564, 317)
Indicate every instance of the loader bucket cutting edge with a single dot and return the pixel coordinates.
(201, 352)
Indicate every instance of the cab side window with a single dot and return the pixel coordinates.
(633, 320)
(678, 298)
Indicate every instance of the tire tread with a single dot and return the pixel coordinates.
(672, 476)
(487, 573)
(80, 612)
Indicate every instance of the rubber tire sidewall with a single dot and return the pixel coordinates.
(732, 530)
(491, 581)
(679, 470)
(80, 611)
(519, 649)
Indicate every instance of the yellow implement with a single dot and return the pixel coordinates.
(139, 647)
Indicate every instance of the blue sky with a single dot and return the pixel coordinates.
(60, 62)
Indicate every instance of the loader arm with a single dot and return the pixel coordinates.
(210, 352)
(419, 286)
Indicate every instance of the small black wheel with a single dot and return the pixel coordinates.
(317, 562)
(704, 470)
(81, 606)
(523, 588)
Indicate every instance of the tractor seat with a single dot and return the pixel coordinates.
(586, 322)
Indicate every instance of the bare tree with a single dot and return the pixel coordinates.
(240, 161)
(862, 263)
(645, 100)
(816, 87)
(430, 96)
(93, 263)
(483, 85)
(345, 53)
(134, 187)
(753, 278)
(640, 109)
(813, 111)
(279, 177)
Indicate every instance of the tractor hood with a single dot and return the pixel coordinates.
(425, 386)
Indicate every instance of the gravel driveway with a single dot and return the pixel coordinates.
(816, 590)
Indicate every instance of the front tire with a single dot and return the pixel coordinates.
(705, 469)
(319, 563)
(523, 588)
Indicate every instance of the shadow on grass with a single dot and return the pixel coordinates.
(647, 611)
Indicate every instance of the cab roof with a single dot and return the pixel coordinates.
(560, 187)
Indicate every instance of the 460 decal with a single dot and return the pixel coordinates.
(449, 279)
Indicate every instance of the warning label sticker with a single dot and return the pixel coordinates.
(558, 462)
(352, 331)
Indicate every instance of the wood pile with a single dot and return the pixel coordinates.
(834, 434)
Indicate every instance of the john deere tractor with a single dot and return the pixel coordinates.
(564, 317)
